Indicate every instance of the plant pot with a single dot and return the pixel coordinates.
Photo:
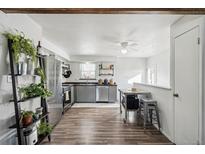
(39, 110)
(20, 95)
(27, 120)
(19, 67)
(24, 68)
(30, 67)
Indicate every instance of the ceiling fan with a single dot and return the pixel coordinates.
(122, 42)
(128, 47)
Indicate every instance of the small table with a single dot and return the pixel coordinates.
(125, 93)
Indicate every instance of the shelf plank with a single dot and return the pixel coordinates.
(29, 98)
(106, 74)
(25, 99)
(107, 69)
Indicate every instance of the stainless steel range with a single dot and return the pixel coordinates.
(67, 103)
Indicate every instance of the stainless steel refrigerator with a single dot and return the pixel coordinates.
(53, 69)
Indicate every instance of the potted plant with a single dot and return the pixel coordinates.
(34, 90)
(44, 129)
(21, 45)
(27, 117)
(23, 48)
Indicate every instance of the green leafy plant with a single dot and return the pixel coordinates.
(34, 90)
(26, 117)
(44, 128)
(39, 71)
(20, 44)
(26, 113)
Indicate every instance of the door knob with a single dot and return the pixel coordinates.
(176, 95)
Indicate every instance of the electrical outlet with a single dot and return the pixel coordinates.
(9, 80)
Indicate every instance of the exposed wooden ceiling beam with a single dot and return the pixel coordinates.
(105, 10)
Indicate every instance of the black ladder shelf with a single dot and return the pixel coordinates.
(17, 103)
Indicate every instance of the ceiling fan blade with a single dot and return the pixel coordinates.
(133, 44)
(132, 49)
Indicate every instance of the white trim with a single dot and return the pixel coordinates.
(155, 86)
(164, 133)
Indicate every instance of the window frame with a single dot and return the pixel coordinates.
(152, 75)
(81, 66)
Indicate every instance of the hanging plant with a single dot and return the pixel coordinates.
(21, 44)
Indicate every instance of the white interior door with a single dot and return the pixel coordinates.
(187, 87)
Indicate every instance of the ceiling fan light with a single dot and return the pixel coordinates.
(123, 51)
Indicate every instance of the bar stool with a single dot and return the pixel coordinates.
(131, 104)
(149, 106)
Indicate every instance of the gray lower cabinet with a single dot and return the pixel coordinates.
(112, 96)
(85, 93)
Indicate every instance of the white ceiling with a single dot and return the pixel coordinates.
(101, 34)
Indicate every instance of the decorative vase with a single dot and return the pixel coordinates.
(30, 67)
(24, 68)
(19, 67)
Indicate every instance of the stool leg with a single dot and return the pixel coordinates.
(150, 115)
(120, 103)
(145, 115)
(157, 114)
(139, 110)
(125, 120)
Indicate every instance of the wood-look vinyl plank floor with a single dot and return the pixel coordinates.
(97, 126)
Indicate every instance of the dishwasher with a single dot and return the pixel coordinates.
(102, 93)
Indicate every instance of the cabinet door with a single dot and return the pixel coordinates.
(85, 94)
(79, 95)
(112, 93)
(90, 94)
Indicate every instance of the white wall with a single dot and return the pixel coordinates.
(127, 68)
(124, 69)
(162, 63)
(162, 95)
(10, 22)
(32, 30)
(165, 96)
(52, 47)
(165, 103)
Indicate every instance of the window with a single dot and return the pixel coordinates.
(152, 76)
(136, 79)
(87, 71)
